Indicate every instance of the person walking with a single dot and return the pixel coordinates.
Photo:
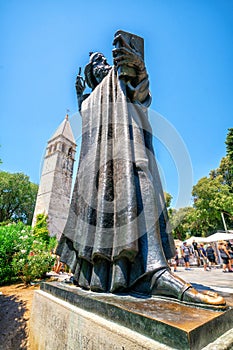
(186, 255)
(196, 253)
(203, 256)
(225, 256)
(211, 255)
(176, 260)
(229, 247)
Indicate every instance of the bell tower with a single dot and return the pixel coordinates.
(53, 198)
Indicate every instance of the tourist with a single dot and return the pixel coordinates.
(211, 255)
(225, 256)
(176, 260)
(195, 251)
(229, 247)
(194, 244)
(203, 256)
(186, 255)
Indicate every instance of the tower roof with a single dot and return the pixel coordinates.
(65, 130)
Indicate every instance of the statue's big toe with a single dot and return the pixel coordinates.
(168, 284)
(205, 297)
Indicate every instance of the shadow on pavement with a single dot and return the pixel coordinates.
(12, 323)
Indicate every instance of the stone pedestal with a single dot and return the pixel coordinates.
(66, 317)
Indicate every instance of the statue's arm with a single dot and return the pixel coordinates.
(80, 87)
(140, 93)
(81, 98)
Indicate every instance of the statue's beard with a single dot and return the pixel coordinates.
(100, 72)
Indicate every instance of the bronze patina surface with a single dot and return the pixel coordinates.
(117, 237)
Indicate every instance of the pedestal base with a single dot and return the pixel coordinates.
(66, 317)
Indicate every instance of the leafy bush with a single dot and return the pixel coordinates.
(9, 237)
(25, 253)
(33, 261)
(40, 230)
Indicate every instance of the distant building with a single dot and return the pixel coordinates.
(53, 197)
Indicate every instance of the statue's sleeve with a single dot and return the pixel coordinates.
(81, 98)
(140, 93)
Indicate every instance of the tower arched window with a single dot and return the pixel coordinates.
(55, 147)
(70, 152)
(49, 149)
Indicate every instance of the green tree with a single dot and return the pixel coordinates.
(17, 197)
(229, 144)
(226, 165)
(181, 222)
(229, 156)
(40, 229)
(224, 170)
(168, 199)
(211, 197)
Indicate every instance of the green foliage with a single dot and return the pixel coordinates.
(168, 199)
(211, 197)
(17, 197)
(24, 255)
(225, 171)
(181, 222)
(40, 229)
(33, 260)
(226, 165)
(229, 144)
(9, 238)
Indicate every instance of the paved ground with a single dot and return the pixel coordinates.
(214, 279)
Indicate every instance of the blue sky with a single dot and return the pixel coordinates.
(189, 58)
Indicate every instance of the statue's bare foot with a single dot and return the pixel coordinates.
(165, 283)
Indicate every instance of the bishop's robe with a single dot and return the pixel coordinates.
(117, 232)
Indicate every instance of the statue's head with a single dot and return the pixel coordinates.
(96, 69)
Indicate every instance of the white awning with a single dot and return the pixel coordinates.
(219, 236)
(196, 239)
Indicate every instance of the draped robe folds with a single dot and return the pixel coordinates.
(117, 231)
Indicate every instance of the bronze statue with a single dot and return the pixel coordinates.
(117, 237)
